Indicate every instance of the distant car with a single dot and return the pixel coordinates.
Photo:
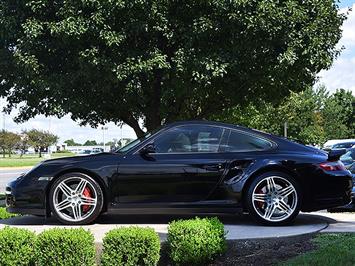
(339, 144)
(85, 152)
(97, 150)
(345, 145)
(187, 167)
(349, 157)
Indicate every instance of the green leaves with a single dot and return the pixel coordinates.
(16, 247)
(131, 246)
(313, 116)
(61, 247)
(196, 241)
(159, 61)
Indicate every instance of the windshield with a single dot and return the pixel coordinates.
(133, 144)
(343, 145)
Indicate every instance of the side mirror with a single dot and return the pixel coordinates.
(147, 149)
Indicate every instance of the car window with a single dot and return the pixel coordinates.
(343, 145)
(192, 138)
(243, 142)
(349, 156)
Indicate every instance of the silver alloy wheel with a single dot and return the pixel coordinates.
(274, 199)
(71, 201)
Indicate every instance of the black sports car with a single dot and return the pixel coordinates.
(187, 167)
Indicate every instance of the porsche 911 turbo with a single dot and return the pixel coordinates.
(192, 167)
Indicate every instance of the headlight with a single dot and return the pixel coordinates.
(29, 171)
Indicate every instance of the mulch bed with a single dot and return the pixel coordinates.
(257, 251)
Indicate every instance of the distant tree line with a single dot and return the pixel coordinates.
(312, 116)
(72, 142)
(38, 139)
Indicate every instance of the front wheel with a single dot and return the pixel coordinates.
(75, 199)
(273, 198)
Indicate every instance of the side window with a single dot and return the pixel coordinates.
(243, 142)
(192, 138)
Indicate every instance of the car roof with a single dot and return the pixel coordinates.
(206, 122)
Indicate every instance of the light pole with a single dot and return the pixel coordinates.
(2, 102)
(103, 135)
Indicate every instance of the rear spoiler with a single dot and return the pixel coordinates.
(334, 155)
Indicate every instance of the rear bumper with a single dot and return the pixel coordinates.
(351, 205)
(334, 190)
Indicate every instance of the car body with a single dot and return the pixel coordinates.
(351, 205)
(187, 167)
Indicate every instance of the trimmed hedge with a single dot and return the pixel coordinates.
(63, 247)
(131, 246)
(196, 241)
(6, 215)
(16, 247)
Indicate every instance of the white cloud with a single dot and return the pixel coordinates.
(342, 72)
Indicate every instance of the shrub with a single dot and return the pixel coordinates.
(16, 247)
(6, 215)
(131, 246)
(196, 241)
(60, 246)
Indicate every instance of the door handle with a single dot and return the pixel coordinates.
(213, 167)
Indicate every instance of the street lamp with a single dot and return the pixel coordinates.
(103, 136)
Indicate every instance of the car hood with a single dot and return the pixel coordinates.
(78, 159)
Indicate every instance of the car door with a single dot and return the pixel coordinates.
(184, 167)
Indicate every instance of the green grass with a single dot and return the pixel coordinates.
(332, 249)
(6, 215)
(27, 160)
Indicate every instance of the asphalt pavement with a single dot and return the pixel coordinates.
(9, 174)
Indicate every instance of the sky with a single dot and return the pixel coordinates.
(340, 75)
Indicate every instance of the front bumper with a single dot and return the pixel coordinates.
(25, 198)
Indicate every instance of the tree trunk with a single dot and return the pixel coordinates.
(153, 116)
(40, 152)
(133, 123)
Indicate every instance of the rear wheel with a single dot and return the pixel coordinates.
(273, 198)
(76, 199)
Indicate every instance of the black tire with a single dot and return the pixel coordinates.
(93, 184)
(248, 199)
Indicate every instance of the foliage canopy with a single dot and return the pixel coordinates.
(157, 61)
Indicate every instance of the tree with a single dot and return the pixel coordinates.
(71, 142)
(313, 116)
(23, 143)
(8, 142)
(90, 143)
(339, 115)
(158, 61)
(3, 142)
(41, 140)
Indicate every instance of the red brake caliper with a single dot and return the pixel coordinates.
(259, 203)
(86, 193)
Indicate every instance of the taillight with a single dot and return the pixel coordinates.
(333, 166)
